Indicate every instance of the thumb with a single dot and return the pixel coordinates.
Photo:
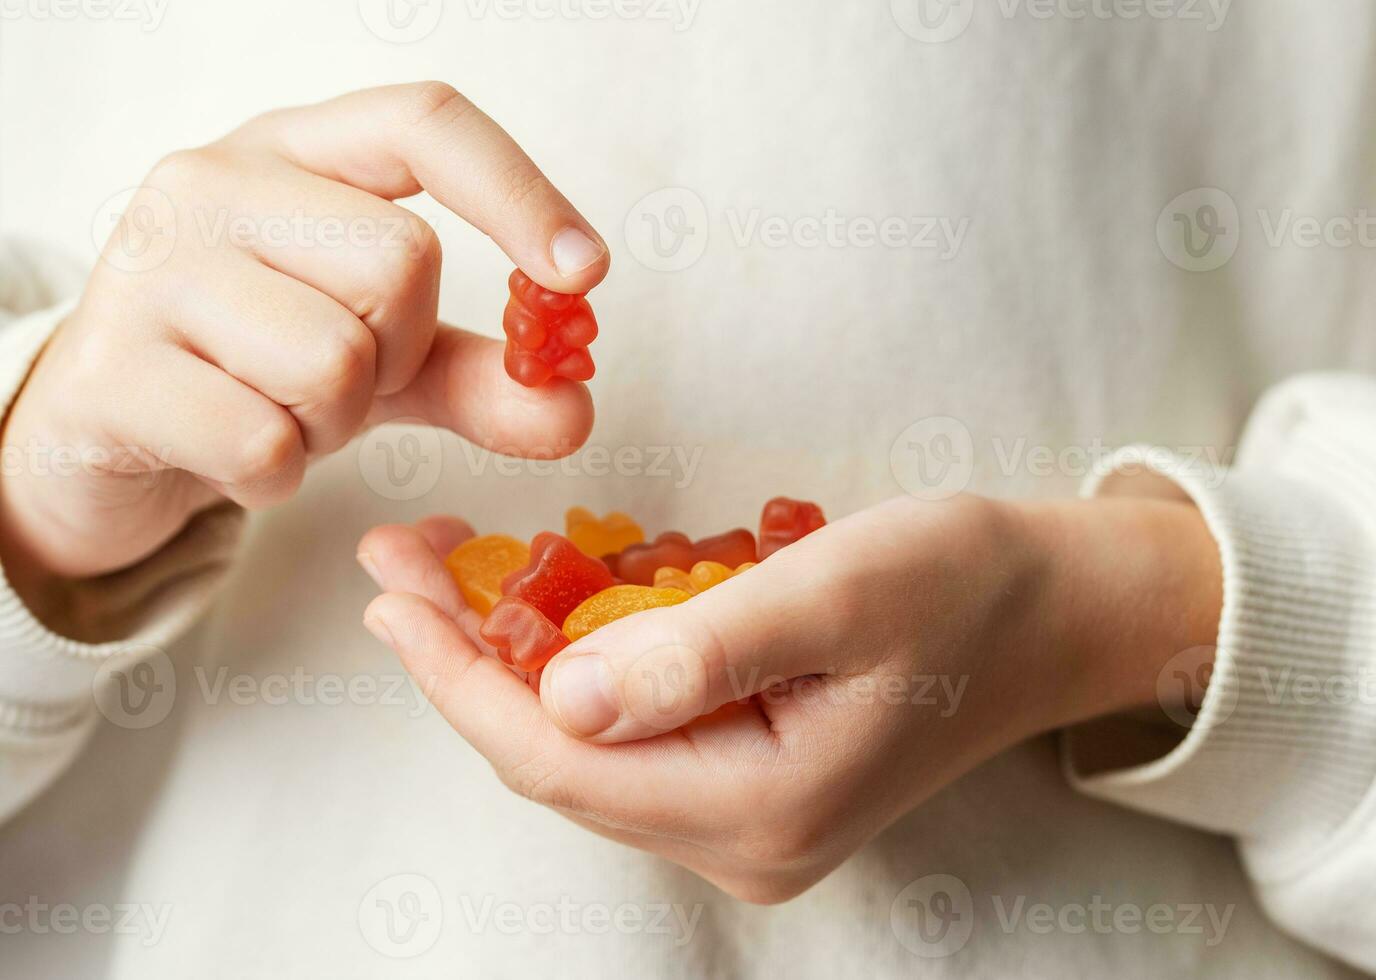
(657, 670)
(463, 387)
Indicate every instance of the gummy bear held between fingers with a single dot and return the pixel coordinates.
(548, 333)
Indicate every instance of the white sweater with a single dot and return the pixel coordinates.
(269, 797)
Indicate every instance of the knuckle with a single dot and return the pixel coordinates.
(523, 182)
(435, 103)
(182, 168)
(344, 364)
(405, 272)
(271, 450)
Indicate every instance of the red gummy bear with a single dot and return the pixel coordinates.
(558, 577)
(521, 634)
(785, 521)
(637, 564)
(547, 333)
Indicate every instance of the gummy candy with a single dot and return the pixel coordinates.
(521, 634)
(785, 521)
(703, 576)
(638, 563)
(479, 565)
(597, 537)
(548, 333)
(558, 577)
(615, 603)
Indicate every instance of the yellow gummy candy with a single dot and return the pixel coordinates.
(705, 575)
(596, 537)
(619, 601)
(479, 565)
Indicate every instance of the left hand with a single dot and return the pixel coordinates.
(761, 732)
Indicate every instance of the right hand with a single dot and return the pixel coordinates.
(203, 363)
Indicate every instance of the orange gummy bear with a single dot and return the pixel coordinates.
(615, 603)
(479, 565)
(596, 536)
(703, 576)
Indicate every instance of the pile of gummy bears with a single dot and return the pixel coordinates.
(539, 598)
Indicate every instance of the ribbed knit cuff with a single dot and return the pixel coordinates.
(1284, 744)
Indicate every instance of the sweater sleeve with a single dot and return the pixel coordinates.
(54, 691)
(1281, 753)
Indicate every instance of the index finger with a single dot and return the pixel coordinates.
(398, 140)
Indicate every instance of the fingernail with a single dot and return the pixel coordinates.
(379, 629)
(583, 695)
(366, 560)
(574, 251)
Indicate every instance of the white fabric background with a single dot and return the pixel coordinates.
(1060, 322)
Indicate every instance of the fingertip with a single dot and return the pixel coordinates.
(580, 260)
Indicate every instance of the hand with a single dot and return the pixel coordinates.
(761, 732)
(281, 303)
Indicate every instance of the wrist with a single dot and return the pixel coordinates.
(1132, 585)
